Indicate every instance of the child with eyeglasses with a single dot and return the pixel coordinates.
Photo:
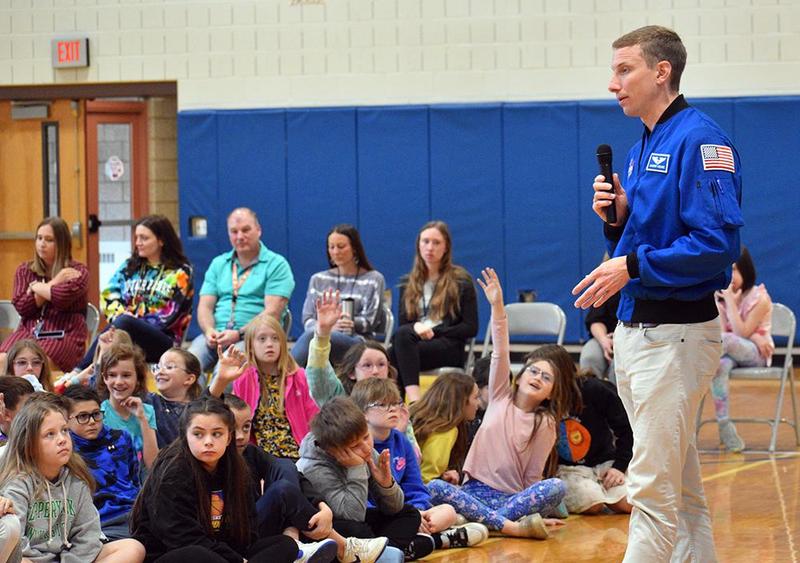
(110, 456)
(26, 357)
(176, 375)
(380, 401)
(504, 470)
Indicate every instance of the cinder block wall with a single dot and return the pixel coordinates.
(270, 53)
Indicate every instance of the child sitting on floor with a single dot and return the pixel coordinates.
(288, 503)
(338, 457)
(110, 456)
(380, 401)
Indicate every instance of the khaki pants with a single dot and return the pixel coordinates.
(662, 373)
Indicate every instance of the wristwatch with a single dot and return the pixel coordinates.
(241, 334)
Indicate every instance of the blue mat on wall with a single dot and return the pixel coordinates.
(513, 181)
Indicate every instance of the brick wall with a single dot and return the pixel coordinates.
(271, 53)
(162, 157)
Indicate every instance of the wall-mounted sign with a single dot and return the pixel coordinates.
(70, 52)
(114, 168)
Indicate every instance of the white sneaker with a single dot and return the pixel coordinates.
(317, 552)
(363, 550)
(467, 535)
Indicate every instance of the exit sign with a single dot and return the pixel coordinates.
(70, 52)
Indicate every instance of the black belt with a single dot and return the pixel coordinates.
(638, 325)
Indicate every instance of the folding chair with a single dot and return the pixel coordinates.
(9, 318)
(92, 321)
(530, 319)
(783, 324)
(385, 326)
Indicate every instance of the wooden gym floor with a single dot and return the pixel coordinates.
(754, 501)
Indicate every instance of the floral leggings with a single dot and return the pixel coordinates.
(479, 502)
(736, 352)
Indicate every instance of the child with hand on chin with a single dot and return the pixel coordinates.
(339, 460)
(122, 384)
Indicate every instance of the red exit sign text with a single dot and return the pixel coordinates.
(70, 52)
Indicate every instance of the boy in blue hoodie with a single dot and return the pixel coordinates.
(110, 455)
(379, 400)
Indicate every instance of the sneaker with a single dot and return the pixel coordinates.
(367, 550)
(532, 526)
(421, 546)
(729, 436)
(560, 511)
(460, 520)
(317, 552)
(466, 535)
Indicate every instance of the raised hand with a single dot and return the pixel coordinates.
(382, 471)
(329, 310)
(232, 363)
(491, 287)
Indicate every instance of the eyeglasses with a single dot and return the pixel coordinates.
(84, 417)
(384, 407)
(543, 375)
(369, 366)
(35, 363)
(168, 367)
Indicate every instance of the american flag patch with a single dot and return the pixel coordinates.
(717, 157)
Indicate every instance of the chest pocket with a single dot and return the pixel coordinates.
(722, 203)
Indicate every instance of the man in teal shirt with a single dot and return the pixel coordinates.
(239, 285)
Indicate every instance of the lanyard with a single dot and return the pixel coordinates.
(352, 283)
(237, 283)
(426, 304)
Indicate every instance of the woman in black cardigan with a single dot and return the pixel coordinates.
(438, 310)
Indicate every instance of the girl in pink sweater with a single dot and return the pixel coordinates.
(272, 384)
(504, 488)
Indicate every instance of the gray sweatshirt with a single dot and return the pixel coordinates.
(49, 532)
(345, 489)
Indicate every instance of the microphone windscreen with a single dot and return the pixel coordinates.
(603, 150)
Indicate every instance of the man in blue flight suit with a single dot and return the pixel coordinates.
(676, 237)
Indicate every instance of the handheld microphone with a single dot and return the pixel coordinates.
(604, 160)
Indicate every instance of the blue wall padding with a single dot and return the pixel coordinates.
(768, 139)
(393, 179)
(466, 162)
(541, 203)
(512, 180)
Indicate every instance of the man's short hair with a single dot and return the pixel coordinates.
(338, 423)
(245, 210)
(374, 390)
(658, 44)
(13, 389)
(77, 393)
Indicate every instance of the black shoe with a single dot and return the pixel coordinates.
(421, 546)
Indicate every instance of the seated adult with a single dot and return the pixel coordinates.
(438, 310)
(50, 297)
(352, 275)
(745, 311)
(239, 285)
(597, 355)
(150, 295)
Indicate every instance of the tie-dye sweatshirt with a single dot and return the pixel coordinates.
(155, 294)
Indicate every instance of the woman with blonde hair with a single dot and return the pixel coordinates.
(268, 379)
(50, 297)
(438, 310)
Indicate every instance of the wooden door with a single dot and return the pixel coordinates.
(116, 164)
(41, 173)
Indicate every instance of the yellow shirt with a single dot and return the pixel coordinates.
(436, 453)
